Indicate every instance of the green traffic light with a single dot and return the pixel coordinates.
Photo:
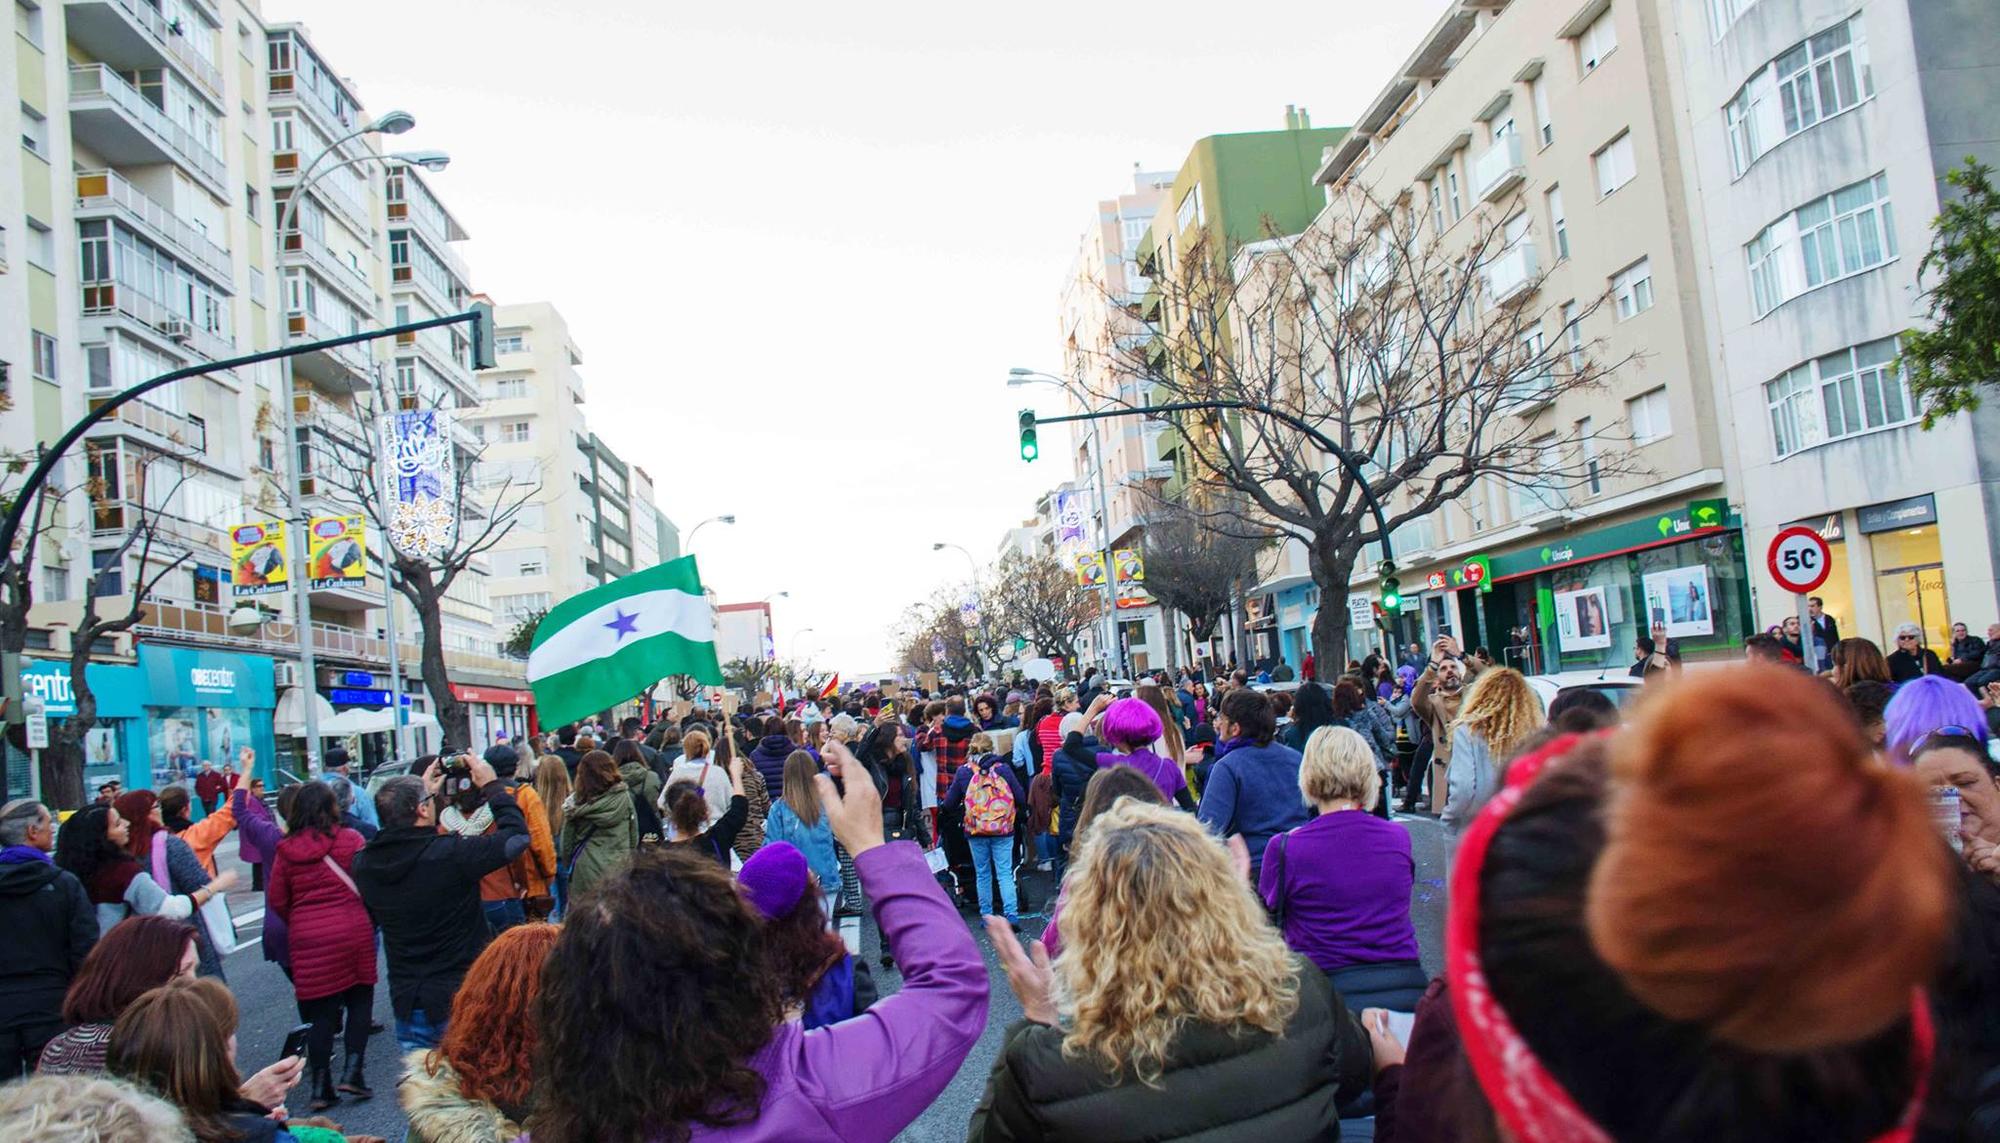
(1029, 449)
(1392, 596)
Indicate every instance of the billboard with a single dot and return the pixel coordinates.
(336, 552)
(1090, 569)
(258, 560)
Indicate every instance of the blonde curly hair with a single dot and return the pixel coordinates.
(1502, 709)
(1159, 930)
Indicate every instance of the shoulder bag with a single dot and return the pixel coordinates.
(215, 918)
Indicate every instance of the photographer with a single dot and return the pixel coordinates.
(422, 887)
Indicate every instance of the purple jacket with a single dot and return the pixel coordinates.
(864, 1080)
(1167, 776)
(258, 837)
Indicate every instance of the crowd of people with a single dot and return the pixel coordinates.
(1788, 929)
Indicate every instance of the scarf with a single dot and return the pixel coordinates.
(22, 854)
(468, 825)
(107, 886)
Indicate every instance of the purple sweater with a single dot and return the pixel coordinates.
(258, 833)
(868, 1078)
(1347, 878)
(1167, 776)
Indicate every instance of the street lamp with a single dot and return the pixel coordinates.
(688, 547)
(777, 595)
(801, 634)
(969, 561)
(394, 122)
(1019, 376)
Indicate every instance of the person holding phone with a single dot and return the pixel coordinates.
(422, 888)
(332, 940)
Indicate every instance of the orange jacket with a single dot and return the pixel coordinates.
(204, 835)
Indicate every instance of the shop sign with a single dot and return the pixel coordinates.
(355, 696)
(1436, 581)
(1361, 611)
(48, 684)
(357, 679)
(1830, 527)
(1708, 513)
(118, 689)
(1912, 512)
(1475, 572)
(184, 676)
(490, 694)
(1650, 532)
(35, 716)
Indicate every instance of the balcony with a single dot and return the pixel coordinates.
(133, 34)
(435, 347)
(1512, 275)
(284, 175)
(167, 431)
(1499, 168)
(286, 90)
(310, 410)
(106, 194)
(342, 369)
(119, 302)
(109, 116)
(115, 517)
(302, 249)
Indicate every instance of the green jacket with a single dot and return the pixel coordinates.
(608, 832)
(640, 779)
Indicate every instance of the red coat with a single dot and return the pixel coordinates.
(332, 940)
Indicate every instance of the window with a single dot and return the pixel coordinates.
(1614, 164)
(282, 134)
(1647, 414)
(1192, 211)
(45, 356)
(55, 584)
(519, 607)
(406, 377)
(1847, 232)
(250, 201)
(1840, 395)
(1597, 41)
(267, 453)
(1535, 496)
(1133, 229)
(110, 563)
(1437, 207)
(1538, 96)
(34, 131)
(530, 561)
(511, 341)
(1558, 222)
(28, 21)
(1533, 380)
(479, 431)
(514, 432)
(1809, 83)
(1319, 382)
(41, 245)
(1723, 14)
(508, 388)
(1632, 288)
(1586, 439)
(1573, 338)
(1451, 184)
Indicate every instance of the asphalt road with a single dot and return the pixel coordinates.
(269, 1010)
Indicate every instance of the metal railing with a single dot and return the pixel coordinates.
(204, 623)
(98, 80)
(311, 327)
(100, 190)
(172, 43)
(171, 427)
(299, 246)
(102, 298)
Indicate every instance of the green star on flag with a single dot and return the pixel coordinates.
(596, 650)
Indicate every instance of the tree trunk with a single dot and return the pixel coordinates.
(1331, 562)
(415, 582)
(62, 775)
(62, 763)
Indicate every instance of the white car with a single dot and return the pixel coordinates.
(1615, 684)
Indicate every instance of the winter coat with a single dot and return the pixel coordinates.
(867, 1079)
(769, 758)
(507, 882)
(597, 837)
(1471, 780)
(204, 835)
(422, 888)
(537, 864)
(641, 780)
(1373, 724)
(440, 1112)
(710, 776)
(332, 940)
(815, 841)
(258, 834)
(1253, 790)
(208, 786)
(50, 925)
(724, 833)
(185, 876)
(1438, 710)
(1218, 1083)
(961, 783)
(1073, 767)
(896, 779)
(757, 803)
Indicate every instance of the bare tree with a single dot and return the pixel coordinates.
(747, 675)
(933, 636)
(1431, 360)
(1194, 565)
(352, 465)
(1037, 598)
(17, 567)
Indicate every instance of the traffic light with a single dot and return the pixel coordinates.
(1029, 449)
(1392, 591)
(482, 335)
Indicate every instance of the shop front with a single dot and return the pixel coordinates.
(497, 713)
(1581, 601)
(1908, 558)
(159, 720)
(362, 720)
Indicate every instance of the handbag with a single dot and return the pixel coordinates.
(215, 918)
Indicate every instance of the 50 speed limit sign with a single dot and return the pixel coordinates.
(1800, 561)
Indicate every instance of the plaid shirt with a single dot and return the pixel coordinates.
(950, 755)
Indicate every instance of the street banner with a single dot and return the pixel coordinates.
(1131, 566)
(337, 552)
(1069, 519)
(595, 650)
(258, 563)
(1090, 569)
(421, 492)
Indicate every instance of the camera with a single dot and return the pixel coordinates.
(457, 772)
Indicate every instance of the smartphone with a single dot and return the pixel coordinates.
(295, 1042)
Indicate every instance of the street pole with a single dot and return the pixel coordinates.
(1109, 645)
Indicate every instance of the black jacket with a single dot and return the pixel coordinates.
(50, 925)
(422, 888)
(1072, 770)
(1216, 1085)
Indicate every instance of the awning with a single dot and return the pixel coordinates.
(290, 715)
(362, 720)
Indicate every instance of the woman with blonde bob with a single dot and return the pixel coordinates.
(1174, 1007)
(1499, 715)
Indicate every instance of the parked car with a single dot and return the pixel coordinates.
(1621, 688)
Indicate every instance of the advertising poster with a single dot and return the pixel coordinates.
(337, 552)
(257, 560)
(100, 756)
(228, 732)
(1130, 568)
(421, 485)
(1679, 598)
(1069, 519)
(1583, 622)
(1090, 569)
(173, 744)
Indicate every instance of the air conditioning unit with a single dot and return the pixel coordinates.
(285, 674)
(177, 329)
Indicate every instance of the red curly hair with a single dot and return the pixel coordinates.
(491, 1039)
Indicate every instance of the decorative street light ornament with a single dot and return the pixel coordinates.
(421, 496)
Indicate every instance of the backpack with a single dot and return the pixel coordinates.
(989, 804)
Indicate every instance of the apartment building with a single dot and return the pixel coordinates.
(161, 144)
(1817, 135)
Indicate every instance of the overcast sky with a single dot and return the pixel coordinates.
(800, 244)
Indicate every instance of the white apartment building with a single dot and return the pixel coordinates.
(1119, 457)
(1818, 135)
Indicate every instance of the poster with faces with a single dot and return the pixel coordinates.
(1680, 599)
(1583, 621)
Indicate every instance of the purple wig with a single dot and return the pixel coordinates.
(1924, 705)
(1129, 724)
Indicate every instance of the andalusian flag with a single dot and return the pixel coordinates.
(596, 650)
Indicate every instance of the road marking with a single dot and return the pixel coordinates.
(255, 916)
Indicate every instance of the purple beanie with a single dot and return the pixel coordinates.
(774, 878)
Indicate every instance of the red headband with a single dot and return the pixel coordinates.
(1529, 1101)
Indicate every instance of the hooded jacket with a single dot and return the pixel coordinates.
(1073, 766)
(769, 758)
(596, 837)
(332, 940)
(439, 1110)
(640, 779)
(50, 925)
(422, 888)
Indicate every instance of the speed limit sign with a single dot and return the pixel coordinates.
(1800, 561)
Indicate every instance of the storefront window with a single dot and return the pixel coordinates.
(172, 743)
(1590, 617)
(1909, 582)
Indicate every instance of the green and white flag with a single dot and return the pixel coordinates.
(596, 650)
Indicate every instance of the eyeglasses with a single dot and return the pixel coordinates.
(1900, 638)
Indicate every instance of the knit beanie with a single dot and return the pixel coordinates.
(774, 878)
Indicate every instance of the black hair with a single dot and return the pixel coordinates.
(1869, 699)
(84, 845)
(1644, 643)
(398, 801)
(316, 808)
(1580, 710)
(1251, 712)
